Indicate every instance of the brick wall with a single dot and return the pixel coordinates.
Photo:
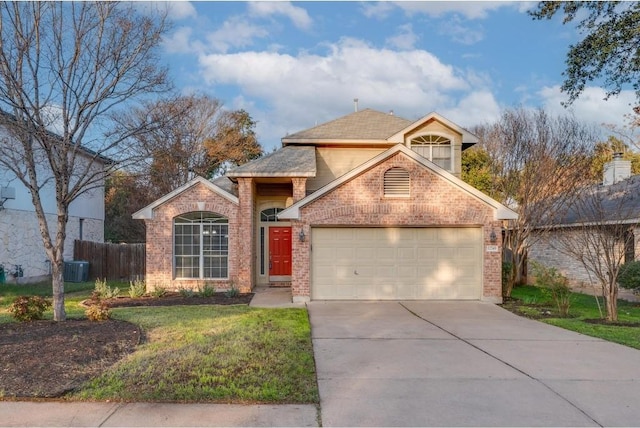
(433, 202)
(160, 238)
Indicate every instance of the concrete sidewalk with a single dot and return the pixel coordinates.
(80, 414)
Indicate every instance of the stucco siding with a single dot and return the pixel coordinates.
(333, 162)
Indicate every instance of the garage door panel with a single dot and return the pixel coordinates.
(396, 263)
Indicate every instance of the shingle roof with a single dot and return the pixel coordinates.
(362, 125)
(285, 162)
(617, 203)
(226, 184)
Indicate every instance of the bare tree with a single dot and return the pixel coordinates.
(598, 231)
(71, 67)
(536, 162)
(174, 150)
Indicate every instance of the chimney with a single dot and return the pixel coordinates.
(355, 104)
(616, 170)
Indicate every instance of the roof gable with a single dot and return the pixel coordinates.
(468, 138)
(501, 212)
(147, 212)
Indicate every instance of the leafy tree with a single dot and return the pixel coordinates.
(609, 49)
(74, 68)
(193, 136)
(476, 169)
(124, 195)
(603, 153)
(233, 144)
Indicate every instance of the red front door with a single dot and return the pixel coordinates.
(279, 251)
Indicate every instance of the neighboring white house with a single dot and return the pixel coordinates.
(21, 249)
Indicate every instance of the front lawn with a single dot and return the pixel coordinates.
(213, 353)
(201, 353)
(583, 315)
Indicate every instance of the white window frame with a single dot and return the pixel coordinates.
(206, 225)
(429, 141)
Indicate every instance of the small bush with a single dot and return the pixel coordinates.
(158, 292)
(104, 290)
(232, 292)
(29, 308)
(98, 312)
(554, 285)
(207, 291)
(186, 292)
(629, 276)
(137, 288)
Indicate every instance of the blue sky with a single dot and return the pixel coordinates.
(292, 65)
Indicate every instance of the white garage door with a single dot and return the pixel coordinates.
(396, 263)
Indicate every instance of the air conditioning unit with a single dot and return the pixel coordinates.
(76, 271)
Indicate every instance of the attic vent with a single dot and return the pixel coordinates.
(396, 183)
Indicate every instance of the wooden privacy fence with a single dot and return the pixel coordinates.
(116, 262)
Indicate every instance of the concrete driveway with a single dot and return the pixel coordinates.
(465, 364)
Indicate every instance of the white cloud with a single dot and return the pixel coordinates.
(298, 16)
(468, 9)
(404, 40)
(377, 9)
(461, 32)
(179, 9)
(176, 9)
(412, 83)
(236, 32)
(180, 41)
(591, 106)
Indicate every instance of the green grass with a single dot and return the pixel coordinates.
(214, 353)
(532, 302)
(201, 353)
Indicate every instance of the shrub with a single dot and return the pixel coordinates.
(207, 291)
(104, 290)
(98, 312)
(629, 276)
(29, 308)
(232, 292)
(554, 285)
(158, 292)
(186, 292)
(137, 288)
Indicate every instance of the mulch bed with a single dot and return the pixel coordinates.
(47, 359)
(173, 299)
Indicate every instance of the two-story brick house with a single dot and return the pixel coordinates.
(367, 206)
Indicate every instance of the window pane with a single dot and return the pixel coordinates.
(201, 237)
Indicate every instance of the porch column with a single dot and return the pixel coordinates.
(245, 240)
(299, 188)
(300, 256)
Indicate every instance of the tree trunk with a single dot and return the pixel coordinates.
(611, 302)
(57, 280)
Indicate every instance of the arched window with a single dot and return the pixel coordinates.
(201, 245)
(270, 214)
(436, 148)
(396, 182)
